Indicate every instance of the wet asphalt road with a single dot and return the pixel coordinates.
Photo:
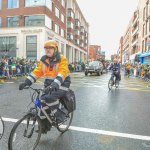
(123, 110)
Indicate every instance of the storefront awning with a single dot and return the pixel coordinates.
(145, 54)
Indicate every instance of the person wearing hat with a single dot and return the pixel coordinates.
(54, 68)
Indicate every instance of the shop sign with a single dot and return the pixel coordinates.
(32, 31)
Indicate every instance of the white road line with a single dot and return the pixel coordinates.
(100, 132)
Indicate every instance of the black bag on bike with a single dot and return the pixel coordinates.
(69, 101)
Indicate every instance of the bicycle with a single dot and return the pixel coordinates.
(113, 82)
(33, 134)
(1, 127)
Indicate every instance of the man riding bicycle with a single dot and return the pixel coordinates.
(115, 67)
(54, 68)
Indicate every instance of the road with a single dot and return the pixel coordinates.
(104, 120)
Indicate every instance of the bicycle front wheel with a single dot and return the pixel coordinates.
(117, 83)
(110, 84)
(1, 127)
(25, 134)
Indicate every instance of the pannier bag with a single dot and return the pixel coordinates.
(70, 101)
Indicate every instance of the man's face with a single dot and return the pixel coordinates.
(49, 51)
(115, 61)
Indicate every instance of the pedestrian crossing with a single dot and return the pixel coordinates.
(131, 84)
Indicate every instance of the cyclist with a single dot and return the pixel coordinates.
(54, 67)
(115, 67)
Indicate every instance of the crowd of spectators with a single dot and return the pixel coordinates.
(138, 70)
(77, 67)
(10, 67)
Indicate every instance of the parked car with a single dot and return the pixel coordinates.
(94, 67)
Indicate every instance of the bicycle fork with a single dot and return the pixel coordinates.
(32, 130)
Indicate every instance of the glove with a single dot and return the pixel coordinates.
(53, 87)
(26, 83)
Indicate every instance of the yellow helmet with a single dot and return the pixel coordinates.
(51, 43)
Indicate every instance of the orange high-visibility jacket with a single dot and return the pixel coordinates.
(61, 69)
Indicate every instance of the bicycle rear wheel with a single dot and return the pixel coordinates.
(63, 127)
(23, 135)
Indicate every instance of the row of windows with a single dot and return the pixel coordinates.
(57, 13)
(29, 3)
(35, 20)
(8, 46)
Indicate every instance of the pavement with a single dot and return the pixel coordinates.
(103, 120)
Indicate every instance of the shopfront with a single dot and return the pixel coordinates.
(145, 58)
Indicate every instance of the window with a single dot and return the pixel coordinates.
(57, 13)
(144, 14)
(146, 44)
(70, 36)
(62, 18)
(49, 4)
(143, 30)
(70, 14)
(13, 3)
(13, 21)
(29, 3)
(0, 22)
(62, 33)
(8, 46)
(35, 20)
(63, 3)
(77, 32)
(70, 25)
(77, 41)
(56, 28)
(77, 23)
(31, 47)
(0, 4)
(48, 22)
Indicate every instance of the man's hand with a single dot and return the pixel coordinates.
(26, 83)
(22, 86)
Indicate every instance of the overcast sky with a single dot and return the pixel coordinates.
(108, 20)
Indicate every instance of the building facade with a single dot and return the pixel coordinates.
(138, 44)
(120, 50)
(126, 47)
(94, 52)
(26, 24)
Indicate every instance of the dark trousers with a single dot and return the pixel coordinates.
(117, 75)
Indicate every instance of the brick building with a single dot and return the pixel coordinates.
(26, 24)
(94, 52)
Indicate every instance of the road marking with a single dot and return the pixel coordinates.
(134, 89)
(96, 131)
